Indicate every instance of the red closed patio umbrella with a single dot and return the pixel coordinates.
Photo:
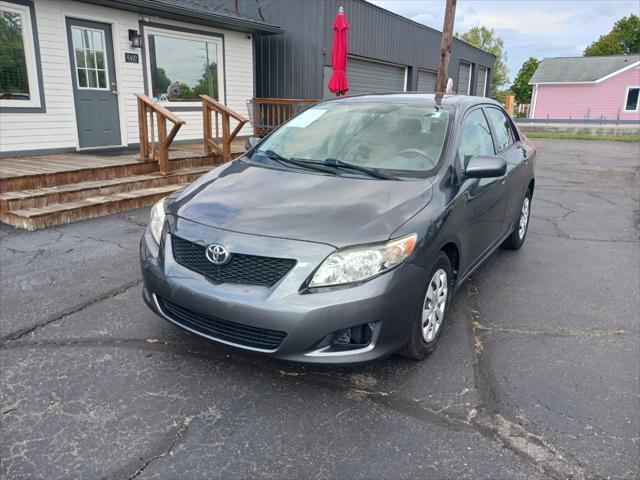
(338, 83)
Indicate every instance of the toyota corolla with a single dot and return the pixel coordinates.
(343, 235)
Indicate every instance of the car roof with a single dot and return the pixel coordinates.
(427, 99)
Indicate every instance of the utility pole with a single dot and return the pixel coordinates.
(445, 47)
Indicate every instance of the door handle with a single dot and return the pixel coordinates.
(115, 92)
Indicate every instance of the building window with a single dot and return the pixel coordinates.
(631, 103)
(185, 66)
(91, 58)
(18, 71)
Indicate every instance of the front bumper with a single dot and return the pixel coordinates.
(389, 301)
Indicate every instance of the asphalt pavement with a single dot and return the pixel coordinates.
(537, 374)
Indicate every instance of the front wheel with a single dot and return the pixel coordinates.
(516, 239)
(427, 326)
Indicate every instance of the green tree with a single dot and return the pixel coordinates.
(13, 65)
(521, 88)
(623, 39)
(162, 82)
(486, 39)
(208, 83)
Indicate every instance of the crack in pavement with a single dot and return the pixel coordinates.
(480, 327)
(488, 417)
(492, 425)
(166, 447)
(18, 334)
(132, 220)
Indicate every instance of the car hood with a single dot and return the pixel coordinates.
(334, 210)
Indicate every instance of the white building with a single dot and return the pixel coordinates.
(69, 69)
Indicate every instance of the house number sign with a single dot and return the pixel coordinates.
(131, 57)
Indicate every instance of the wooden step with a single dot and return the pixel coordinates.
(60, 213)
(93, 173)
(72, 192)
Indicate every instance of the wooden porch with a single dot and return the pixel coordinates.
(43, 191)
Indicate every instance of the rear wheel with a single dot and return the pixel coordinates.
(516, 239)
(427, 326)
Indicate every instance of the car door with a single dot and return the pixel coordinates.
(484, 198)
(509, 147)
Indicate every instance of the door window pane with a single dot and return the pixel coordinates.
(91, 74)
(100, 60)
(632, 99)
(476, 138)
(183, 69)
(102, 79)
(505, 136)
(91, 57)
(97, 40)
(82, 78)
(14, 79)
(80, 59)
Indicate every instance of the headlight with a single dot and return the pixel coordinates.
(356, 264)
(156, 220)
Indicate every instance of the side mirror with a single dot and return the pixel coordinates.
(251, 142)
(486, 166)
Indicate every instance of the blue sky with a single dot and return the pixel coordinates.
(530, 28)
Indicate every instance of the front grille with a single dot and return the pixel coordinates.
(237, 333)
(247, 269)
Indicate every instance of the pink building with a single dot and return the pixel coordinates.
(587, 88)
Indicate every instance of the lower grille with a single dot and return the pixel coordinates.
(246, 269)
(237, 333)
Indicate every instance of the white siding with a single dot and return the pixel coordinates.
(57, 128)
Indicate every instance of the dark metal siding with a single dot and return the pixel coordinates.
(291, 65)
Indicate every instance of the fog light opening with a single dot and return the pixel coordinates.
(347, 339)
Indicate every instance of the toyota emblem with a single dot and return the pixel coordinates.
(217, 254)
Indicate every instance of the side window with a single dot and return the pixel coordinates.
(505, 136)
(476, 138)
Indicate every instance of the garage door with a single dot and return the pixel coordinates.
(373, 77)
(464, 77)
(426, 81)
(481, 82)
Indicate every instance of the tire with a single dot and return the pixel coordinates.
(422, 342)
(519, 234)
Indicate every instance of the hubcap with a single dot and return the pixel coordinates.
(434, 304)
(524, 218)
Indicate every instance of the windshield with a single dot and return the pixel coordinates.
(403, 139)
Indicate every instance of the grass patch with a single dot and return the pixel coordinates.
(584, 136)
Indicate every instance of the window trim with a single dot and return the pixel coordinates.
(626, 98)
(36, 104)
(106, 60)
(184, 34)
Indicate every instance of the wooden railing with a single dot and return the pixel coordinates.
(267, 114)
(147, 110)
(222, 120)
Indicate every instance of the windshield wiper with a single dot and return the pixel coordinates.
(297, 162)
(372, 172)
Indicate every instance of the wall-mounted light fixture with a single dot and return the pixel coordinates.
(135, 39)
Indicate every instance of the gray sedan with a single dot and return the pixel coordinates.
(343, 236)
